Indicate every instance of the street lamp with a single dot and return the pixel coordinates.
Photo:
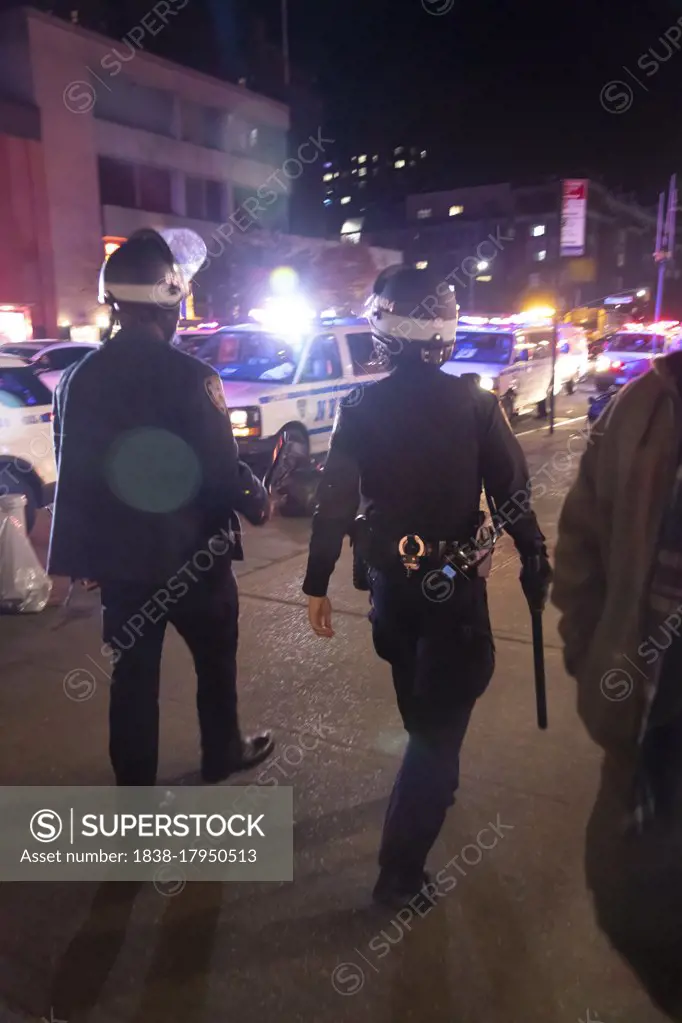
(480, 267)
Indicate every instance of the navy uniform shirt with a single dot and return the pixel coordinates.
(419, 446)
(148, 467)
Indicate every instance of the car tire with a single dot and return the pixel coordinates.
(508, 406)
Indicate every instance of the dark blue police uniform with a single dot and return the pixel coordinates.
(149, 484)
(418, 448)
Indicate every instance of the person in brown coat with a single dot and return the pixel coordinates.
(618, 586)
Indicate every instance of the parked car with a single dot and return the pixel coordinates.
(27, 463)
(48, 357)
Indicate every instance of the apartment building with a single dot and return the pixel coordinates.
(121, 139)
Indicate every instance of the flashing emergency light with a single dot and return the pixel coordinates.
(291, 315)
(283, 281)
(540, 312)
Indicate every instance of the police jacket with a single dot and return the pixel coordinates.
(419, 446)
(148, 468)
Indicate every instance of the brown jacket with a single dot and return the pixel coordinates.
(608, 531)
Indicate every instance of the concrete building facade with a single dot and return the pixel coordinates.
(128, 140)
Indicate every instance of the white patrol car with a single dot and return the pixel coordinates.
(27, 464)
(274, 381)
(514, 361)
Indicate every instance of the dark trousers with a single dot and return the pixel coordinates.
(134, 625)
(442, 658)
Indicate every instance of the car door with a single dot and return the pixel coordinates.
(539, 376)
(322, 373)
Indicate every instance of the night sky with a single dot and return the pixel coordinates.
(494, 90)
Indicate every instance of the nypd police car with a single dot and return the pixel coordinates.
(293, 380)
(27, 463)
(513, 359)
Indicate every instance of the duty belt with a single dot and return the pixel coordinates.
(451, 557)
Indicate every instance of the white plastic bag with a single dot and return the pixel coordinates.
(25, 586)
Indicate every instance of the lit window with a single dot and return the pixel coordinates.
(398, 151)
(363, 172)
(253, 137)
(361, 184)
(423, 154)
(537, 230)
(413, 163)
(336, 174)
(345, 200)
(327, 177)
(422, 264)
(353, 159)
(326, 165)
(375, 158)
(542, 254)
(423, 214)
(455, 211)
(327, 202)
(484, 279)
(399, 164)
(363, 158)
(354, 171)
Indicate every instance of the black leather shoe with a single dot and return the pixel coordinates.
(241, 756)
(396, 889)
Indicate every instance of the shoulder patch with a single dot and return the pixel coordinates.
(214, 389)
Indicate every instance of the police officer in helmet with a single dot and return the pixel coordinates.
(418, 447)
(148, 491)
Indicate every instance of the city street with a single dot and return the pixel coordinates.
(515, 938)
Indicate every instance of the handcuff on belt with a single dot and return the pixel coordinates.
(456, 559)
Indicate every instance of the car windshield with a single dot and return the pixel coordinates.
(482, 347)
(22, 350)
(253, 356)
(20, 387)
(635, 343)
(190, 342)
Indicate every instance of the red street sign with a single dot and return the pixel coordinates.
(574, 190)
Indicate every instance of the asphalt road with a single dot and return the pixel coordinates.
(514, 939)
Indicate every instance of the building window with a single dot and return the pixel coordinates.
(327, 202)
(204, 199)
(455, 211)
(424, 214)
(541, 255)
(327, 177)
(361, 184)
(353, 159)
(154, 184)
(363, 158)
(375, 158)
(336, 174)
(399, 164)
(421, 264)
(485, 279)
(345, 200)
(537, 230)
(354, 171)
(620, 259)
(362, 172)
(117, 183)
(423, 154)
(398, 151)
(214, 200)
(253, 138)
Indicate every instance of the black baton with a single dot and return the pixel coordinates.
(277, 456)
(539, 662)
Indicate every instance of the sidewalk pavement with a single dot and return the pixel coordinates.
(513, 940)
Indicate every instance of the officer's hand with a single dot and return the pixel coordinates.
(536, 579)
(320, 616)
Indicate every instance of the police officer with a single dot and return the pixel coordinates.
(149, 482)
(417, 447)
